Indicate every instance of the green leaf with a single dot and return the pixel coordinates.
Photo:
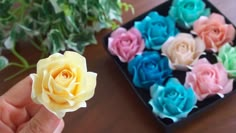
(112, 8)
(98, 26)
(56, 6)
(72, 23)
(74, 46)
(73, 1)
(1, 36)
(127, 7)
(16, 33)
(5, 16)
(3, 62)
(59, 24)
(56, 41)
(29, 31)
(9, 43)
(78, 42)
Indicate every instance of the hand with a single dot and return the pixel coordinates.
(18, 113)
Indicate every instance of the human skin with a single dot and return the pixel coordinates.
(19, 114)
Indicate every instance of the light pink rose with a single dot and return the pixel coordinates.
(125, 44)
(208, 79)
(183, 50)
(214, 31)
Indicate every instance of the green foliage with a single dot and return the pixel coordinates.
(3, 62)
(57, 24)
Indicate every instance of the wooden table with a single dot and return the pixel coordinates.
(115, 108)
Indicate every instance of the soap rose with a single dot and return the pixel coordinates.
(185, 12)
(62, 83)
(173, 100)
(125, 44)
(183, 50)
(208, 79)
(156, 29)
(214, 31)
(227, 56)
(149, 68)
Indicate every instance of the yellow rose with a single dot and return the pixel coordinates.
(62, 83)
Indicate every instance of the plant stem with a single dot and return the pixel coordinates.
(20, 72)
(35, 45)
(24, 66)
(16, 64)
(21, 58)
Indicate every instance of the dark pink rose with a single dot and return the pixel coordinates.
(125, 43)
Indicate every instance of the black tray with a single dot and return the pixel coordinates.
(144, 95)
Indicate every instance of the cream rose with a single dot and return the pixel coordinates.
(183, 50)
(62, 83)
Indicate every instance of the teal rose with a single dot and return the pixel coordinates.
(227, 56)
(156, 29)
(186, 12)
(173, 100)
(149, 68)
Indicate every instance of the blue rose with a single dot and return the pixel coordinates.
(149, 68)
(173, 100)
(156, 29)
(186, 12)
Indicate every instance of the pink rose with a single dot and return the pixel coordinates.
(126, 44)
(214, 31)
(208, 79)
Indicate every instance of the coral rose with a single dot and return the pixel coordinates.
(214, 31)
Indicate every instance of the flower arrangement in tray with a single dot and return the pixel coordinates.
(190, 40)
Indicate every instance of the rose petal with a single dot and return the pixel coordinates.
(228, 87)
(201, 97)
(135, 32)
(221, 95)
(190, 80)
(230, 32)
(166, 45)
(217, 18)
(199, 45)
(201, 61)
(118, 32)
(198, 25)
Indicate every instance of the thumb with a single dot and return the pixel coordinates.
(59, 127)
(44, 122)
